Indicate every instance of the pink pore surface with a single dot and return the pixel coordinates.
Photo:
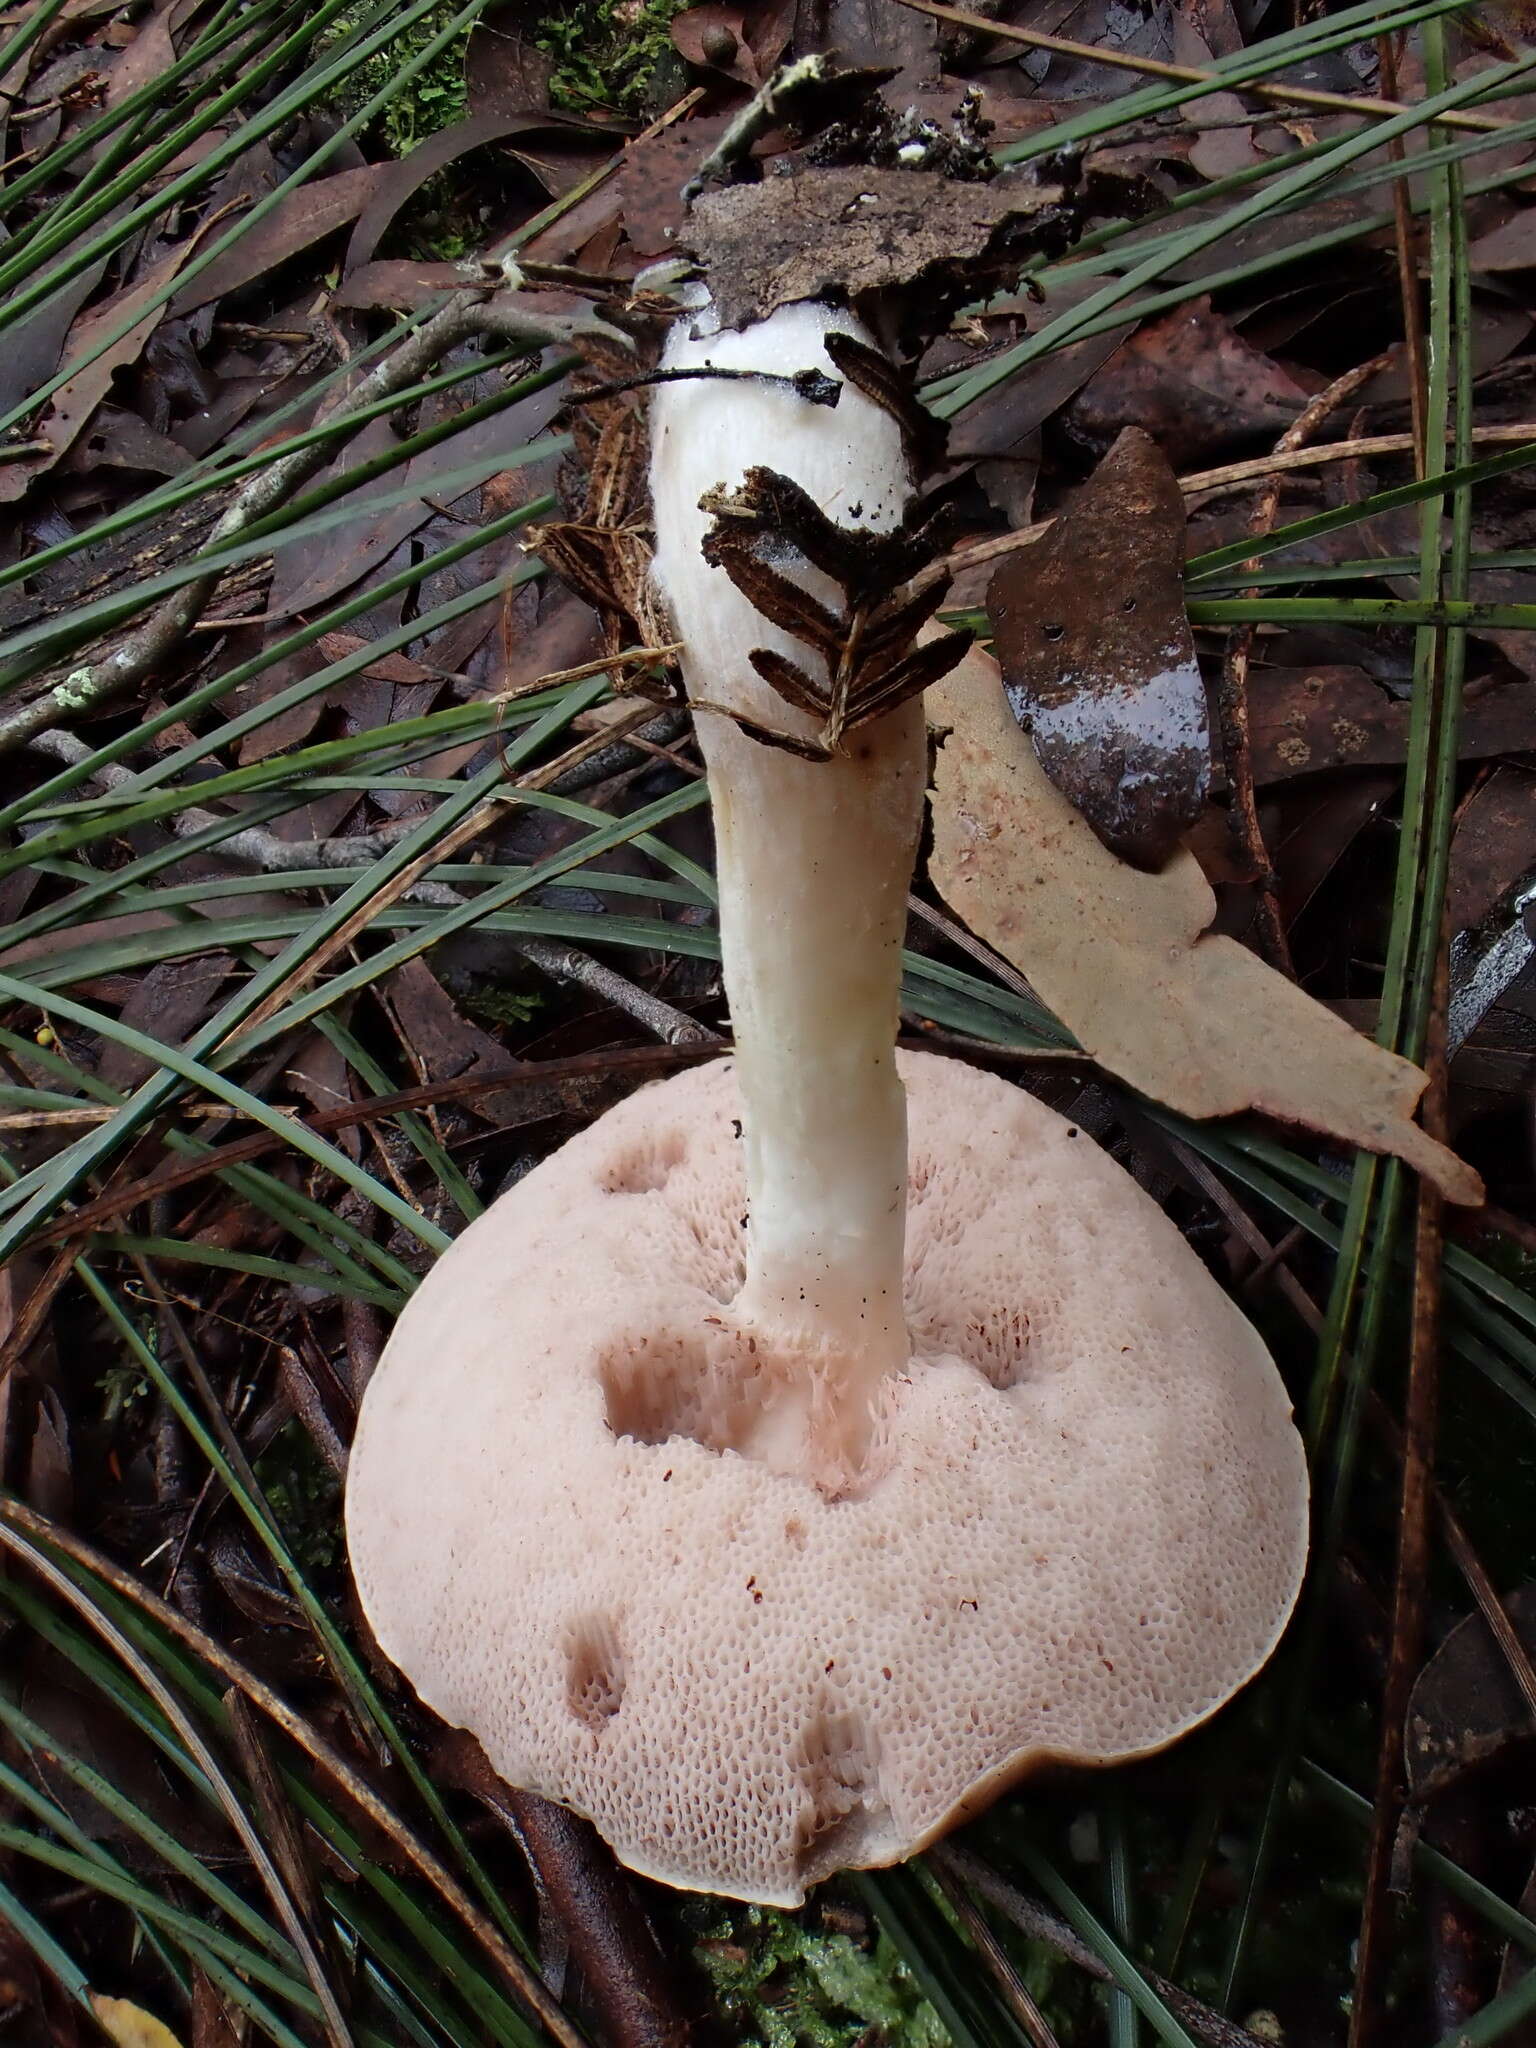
(1084, 1527)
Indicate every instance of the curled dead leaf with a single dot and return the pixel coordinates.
(1098, 659)
(1125, 959)
(1466, 1710)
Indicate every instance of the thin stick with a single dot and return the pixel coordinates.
(1190, 74)
(1415, 1521)
(1441, 681)
(631, 657)
(1334, 451)
(1232, 690)
(1251, 471)
(591, 1898)
(1406, 244)
(990, 1949)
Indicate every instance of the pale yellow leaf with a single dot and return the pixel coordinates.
(1126, 961)
(129, 2025)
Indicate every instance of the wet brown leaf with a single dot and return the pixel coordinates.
(651, 178)
(121, 440)
(215, 2023)
(443, 1044)
(398, 282)
(399, 182)
(1126, 961)
(1305, 720)
(872, 32)
(1193, 383)
(1509, 246)
(1098, 660)
(1318, 830)
(48, 1481)
(1495, 844)
(34, 346)
(1498, 329)
(74, 402)
(306, 216)
(714, 37)
(174, 997)
(504, 73)
(1466, 1708)
(84, 1723)
(997, 423)
(311, 575)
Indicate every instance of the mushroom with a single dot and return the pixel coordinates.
(770, 1482)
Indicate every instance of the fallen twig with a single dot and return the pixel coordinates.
(592, 1899)
(1415, 1523)
(1010, 1984)
(1232, 689)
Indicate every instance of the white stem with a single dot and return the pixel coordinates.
(814, 863)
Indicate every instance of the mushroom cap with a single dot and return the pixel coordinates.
(1085, 1528)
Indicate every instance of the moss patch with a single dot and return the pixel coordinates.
(433, 100)
(612, 55)
(798, 1980)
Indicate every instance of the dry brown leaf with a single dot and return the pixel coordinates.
(129, 2025)
(1126, 962)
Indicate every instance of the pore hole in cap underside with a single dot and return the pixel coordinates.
(647, 1167)
(836, 1767)
(594, 1670)
(667, 1384)
(717, 1385)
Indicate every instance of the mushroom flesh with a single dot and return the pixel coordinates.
(770, 1483)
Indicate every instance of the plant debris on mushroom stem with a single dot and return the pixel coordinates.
(822, 1440)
